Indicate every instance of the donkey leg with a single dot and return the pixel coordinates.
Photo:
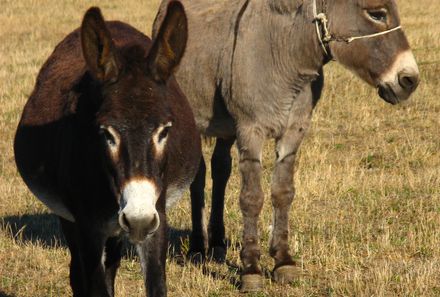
(152, 253)
(251, 202)
(198, 240)
(282, 196)
(87, 276)
(282, 188)
(221, 164)
(112, 261)
(78, 281)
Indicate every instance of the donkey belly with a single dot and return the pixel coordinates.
(50, 198)
(33, 167)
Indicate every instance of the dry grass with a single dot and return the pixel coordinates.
(367, 209)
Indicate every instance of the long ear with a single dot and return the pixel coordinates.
(169, 46)
(98, 48)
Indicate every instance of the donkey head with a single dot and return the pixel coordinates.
(384, 61)
(134, 120)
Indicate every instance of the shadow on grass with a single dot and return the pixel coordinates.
(5, 295)
(179, 239)
(232, 276)
(45, 229)
(36, 228)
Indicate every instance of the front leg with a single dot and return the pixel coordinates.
(87, 273)
(282, 188)
(152, 253)
(250, 144)
(112, 261)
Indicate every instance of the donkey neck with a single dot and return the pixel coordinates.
(295, 49)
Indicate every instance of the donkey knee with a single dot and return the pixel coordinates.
(251, 203)
(282, 196)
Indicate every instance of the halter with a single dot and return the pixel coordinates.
(322, 20)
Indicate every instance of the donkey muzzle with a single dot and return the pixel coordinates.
(139, 226)
(400, 80)
(138, 215)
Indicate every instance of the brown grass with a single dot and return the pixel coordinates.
(367, 209)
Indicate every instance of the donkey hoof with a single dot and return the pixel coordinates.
(286, 274)
(217, 254)
(251, 283)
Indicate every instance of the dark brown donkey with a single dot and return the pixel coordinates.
(254, 72)
(106, 139)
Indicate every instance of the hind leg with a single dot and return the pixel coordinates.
(221, 164)
(198, 240)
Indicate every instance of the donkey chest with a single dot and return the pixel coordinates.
(271, 113)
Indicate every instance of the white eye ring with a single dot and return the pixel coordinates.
(163, 131)
(112, 138)
(160, 136)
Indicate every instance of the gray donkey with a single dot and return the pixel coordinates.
(253, 71)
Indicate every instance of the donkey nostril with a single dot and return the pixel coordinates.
(125, 221)
(408, 82)
(155, 220)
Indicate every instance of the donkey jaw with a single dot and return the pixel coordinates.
(138, 215)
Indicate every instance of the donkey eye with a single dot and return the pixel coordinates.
(164, 133)
(378, 15)
(164, 129)
(108, 137)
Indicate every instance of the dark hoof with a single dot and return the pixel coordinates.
(217, 254)
(251, 283)
(286, 274)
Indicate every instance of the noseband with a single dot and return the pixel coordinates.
(326, 37)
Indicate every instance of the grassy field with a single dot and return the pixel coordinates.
(366, 217)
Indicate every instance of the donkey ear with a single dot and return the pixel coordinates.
(98, 48)
(168, 47)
